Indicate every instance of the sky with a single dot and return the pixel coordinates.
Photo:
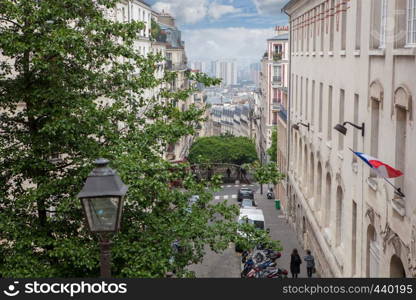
(225, 29)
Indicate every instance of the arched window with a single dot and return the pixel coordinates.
(373, 253)
(305, 167)
(376, 101)
(319, 187)
(403, 109)
(328, 186)
(311, 175)
(339, 212)
(396, 268)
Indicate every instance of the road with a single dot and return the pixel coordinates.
(227, 263)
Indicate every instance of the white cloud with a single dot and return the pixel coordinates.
(269, 7)
(185, 11)
(242, 44)
(193, 11)
(216, 10)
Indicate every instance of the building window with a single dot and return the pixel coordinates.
(321, 94)
(307, 99)
(332, 26)
(301, 97)
(411, 22)
(375, 128)
(308, 28)
(315, 22)
(355, 135)
(319, 188)
(344, 25)
(358, 25)
(322, 27)
(313, 103)
(401, 125)
(341, 118)
(329, 125)
(338, 224)
(311, 176)
(383, 24)
(327, 215)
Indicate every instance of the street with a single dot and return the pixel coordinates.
(227, 264)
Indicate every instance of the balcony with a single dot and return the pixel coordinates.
(277, 56)
(277, 79)
(282, 112)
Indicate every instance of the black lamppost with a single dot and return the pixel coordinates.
(342, 129)
(102, 200)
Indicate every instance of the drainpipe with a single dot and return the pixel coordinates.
(289, 108)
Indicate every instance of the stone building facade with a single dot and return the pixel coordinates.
(354, 61)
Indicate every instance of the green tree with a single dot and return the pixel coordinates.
(267, 173)
(225, 149)
(272, 151)
(72, 90)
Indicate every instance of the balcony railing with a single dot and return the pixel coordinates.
(277, 79)
(282, 113)
(277, 56)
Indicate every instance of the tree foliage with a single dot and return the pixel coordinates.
(223, 149)
(267, 173)
(72, 90)
(272, 151)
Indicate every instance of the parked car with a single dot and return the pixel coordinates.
(245, 193)
(248, 203)
(251, 216)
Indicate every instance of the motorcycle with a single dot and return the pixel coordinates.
(270, 195)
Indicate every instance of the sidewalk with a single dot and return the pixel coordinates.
(281, 231)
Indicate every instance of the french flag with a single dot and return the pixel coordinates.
(381, 168)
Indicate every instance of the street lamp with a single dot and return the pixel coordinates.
(102, 200)
(296, 126)
(342, 129)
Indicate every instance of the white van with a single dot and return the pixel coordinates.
(252, 216)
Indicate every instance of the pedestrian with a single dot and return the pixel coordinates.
(310, 263)
(228, 173)
(295, 262)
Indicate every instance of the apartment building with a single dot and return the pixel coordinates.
(274, 79)
(355, 61)
(176, 61)
(232, 119)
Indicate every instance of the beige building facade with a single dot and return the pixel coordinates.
(353, 61)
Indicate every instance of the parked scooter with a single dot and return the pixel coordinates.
(270, 194)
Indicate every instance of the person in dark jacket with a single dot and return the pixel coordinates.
(295, 262)
(310, 263)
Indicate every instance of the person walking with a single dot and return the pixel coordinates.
(295, 262)
(310, 263)
(228, 173)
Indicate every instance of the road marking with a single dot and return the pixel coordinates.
(244, 185)
(234, 196)
(228, 186)
(217, 197)
(223, 186)
(226, 197)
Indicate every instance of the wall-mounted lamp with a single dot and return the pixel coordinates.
(296, 126)
(342, 129)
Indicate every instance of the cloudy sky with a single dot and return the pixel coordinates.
(225, 29)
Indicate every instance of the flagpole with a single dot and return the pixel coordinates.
(397, 190)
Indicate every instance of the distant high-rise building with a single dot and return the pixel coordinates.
(254, 73)
(199, 65)
(225, 70)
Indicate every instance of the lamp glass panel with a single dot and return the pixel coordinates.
(102, 213)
